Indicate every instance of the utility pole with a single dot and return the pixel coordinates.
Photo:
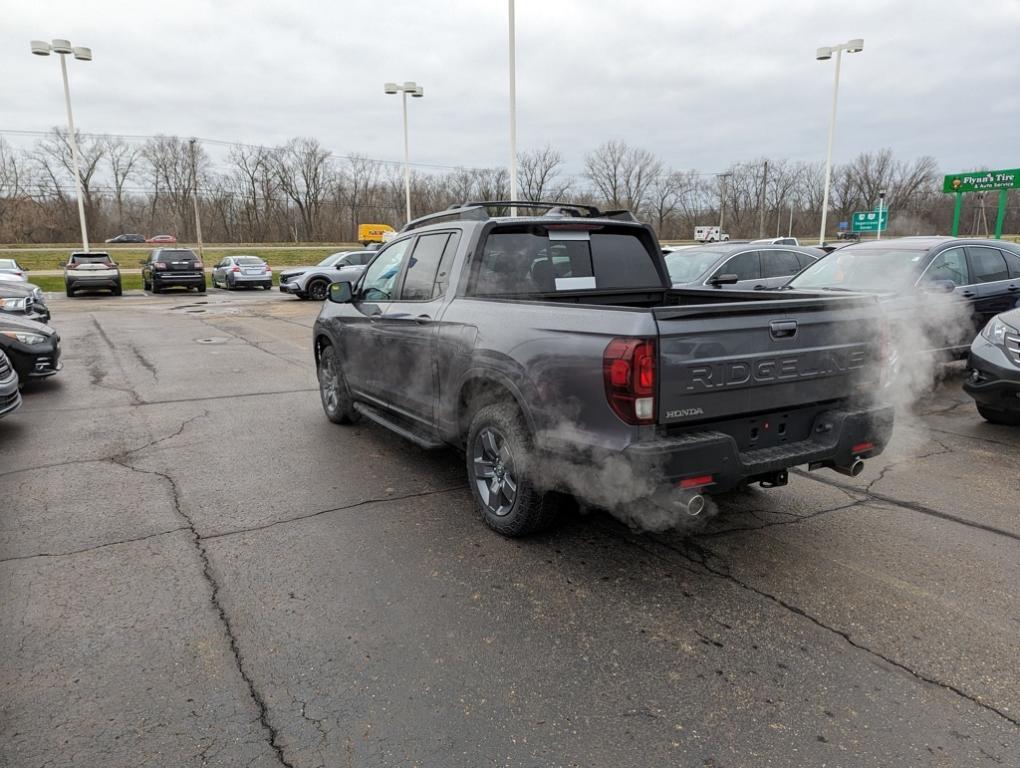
(722, 200)
(512, 41)
(194, 182)
(761, 202)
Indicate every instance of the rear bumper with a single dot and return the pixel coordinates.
(836, 439)
(241, 279)
(105, 281)
(169, 279)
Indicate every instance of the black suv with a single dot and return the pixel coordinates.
(90, 270)
(169, 267)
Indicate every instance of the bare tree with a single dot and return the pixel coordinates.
(538, 175)
(122, 159)
(305, 174)
(54, 157)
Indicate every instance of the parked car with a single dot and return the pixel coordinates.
(778, 241)
(982, 276)
(24, 300)
(169, 239)
(89, 271)
(173, 267)
(11, 270)
(234, 271)
(738, 266)
(32, 348)
(553, 350)
(128, 239)
(313, 282)
(994, 369)
(10, 394)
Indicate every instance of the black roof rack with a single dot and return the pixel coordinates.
(476, 210)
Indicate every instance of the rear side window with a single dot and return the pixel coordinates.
(423, 266)
(779, 264)
(987, 265)
(804, 260)
(1013, 262)
(530, 260)
(743, 265)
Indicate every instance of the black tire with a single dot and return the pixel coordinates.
(69, 291)
(498, 462)
(118, 290)
(228, 284)
(317, 289)
(1009, 418)
(333, 390)
(268, 287)
(156, 288)
(201, 288)
(146, 285)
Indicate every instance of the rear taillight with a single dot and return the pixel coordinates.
(157, 265)
(628, 367)
(235, 269)
(72, 266)
(199, 265)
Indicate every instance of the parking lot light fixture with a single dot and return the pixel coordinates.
(824, 54)
(63, 48)
(417, 92)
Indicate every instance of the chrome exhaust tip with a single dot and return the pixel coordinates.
(851, 470)
(693, 504)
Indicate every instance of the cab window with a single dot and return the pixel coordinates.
(381, 276)
(987, 265)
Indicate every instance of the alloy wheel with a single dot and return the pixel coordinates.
(495, 471)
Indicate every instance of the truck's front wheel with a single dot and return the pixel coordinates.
(500, 473)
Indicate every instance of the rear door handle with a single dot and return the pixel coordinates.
(760, 287)
(423, 319)
(1013, 288)
(968, 294)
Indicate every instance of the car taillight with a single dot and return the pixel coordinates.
(199, 265)
(158, 265)
(235, 269)
(628, 366)
(72, 266)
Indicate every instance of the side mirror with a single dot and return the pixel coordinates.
(724, 280)
(941, 286)
(341, 293)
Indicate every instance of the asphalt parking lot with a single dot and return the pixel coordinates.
(196, 568)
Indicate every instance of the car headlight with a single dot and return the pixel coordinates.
(996, 331)
(14, 305)
(25, 337)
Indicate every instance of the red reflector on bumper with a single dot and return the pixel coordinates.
(862, 447)
(695, 482)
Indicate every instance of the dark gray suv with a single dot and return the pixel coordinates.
(173, 267)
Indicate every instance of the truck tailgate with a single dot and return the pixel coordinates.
(744, 357)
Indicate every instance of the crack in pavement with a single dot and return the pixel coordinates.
(705, 553)
(797, 519)
(214, 598)
(249, 342)
(93, 548)
(98, 376)
(911, 505)
(170, 401)
(940, 451)
(308, 515)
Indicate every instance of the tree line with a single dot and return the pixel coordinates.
(299, 191)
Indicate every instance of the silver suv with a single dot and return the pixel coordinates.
(313, 282)
(91, 270)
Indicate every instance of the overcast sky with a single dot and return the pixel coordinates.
(701, 84)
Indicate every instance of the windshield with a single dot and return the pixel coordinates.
(688, 265)
(864, 269)
(329, 261)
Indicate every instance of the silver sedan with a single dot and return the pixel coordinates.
(234, 271)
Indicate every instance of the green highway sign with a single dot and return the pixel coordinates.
(982, 181)
(868, 221)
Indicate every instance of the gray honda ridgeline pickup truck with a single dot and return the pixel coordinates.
(552, 350)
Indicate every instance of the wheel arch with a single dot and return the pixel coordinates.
(480, 388)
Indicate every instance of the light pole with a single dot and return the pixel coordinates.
(63, 47)
(722, 199)
(824, 54)
(417, 92)
(513, 106)
(194, 181)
